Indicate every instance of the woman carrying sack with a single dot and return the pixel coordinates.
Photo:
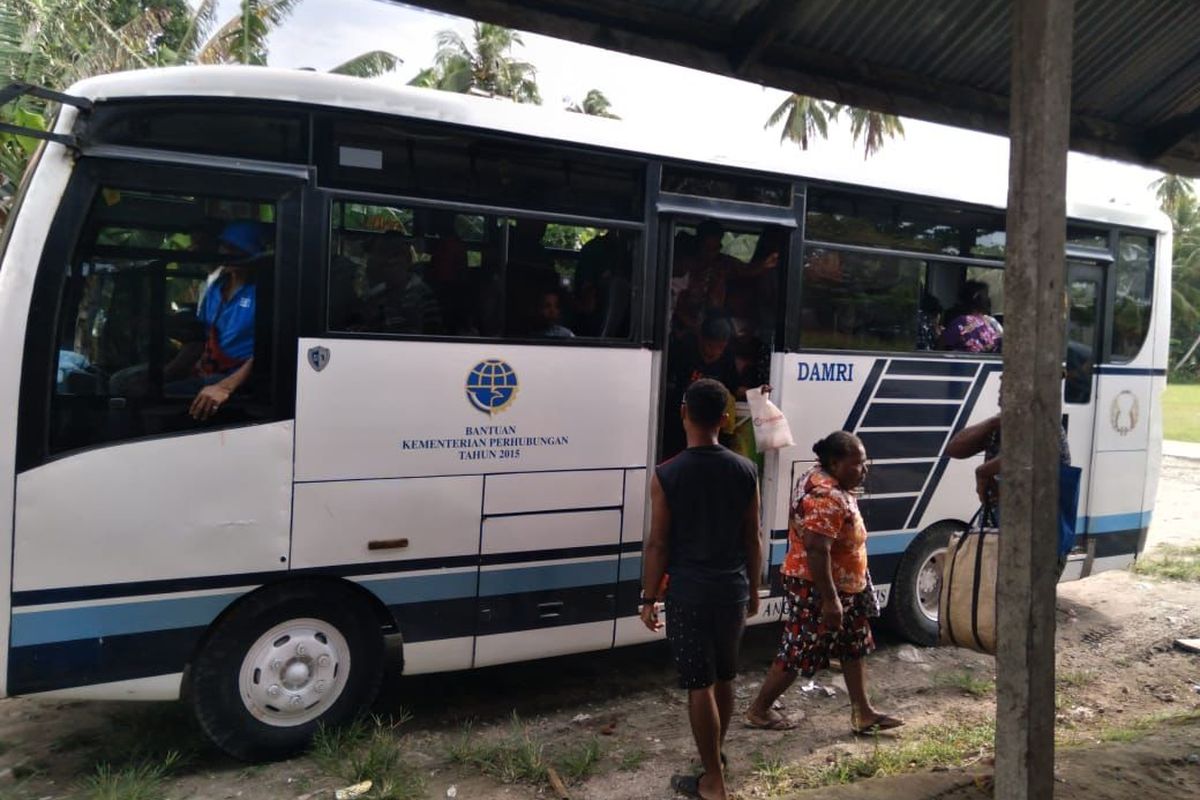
(827, 603)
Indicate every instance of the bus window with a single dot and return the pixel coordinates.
(158, 322)
(860, 301)
(433, 272)
(1082, 336)
(1134, 284)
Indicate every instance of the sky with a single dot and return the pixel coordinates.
(717, 114)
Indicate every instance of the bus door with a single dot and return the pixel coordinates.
(723, 319)
(1085, 326)
(155, 449)
(472, 426)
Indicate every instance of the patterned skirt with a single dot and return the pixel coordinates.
(808, 644)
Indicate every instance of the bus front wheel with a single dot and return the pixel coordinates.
(912, 608)
(282, 662)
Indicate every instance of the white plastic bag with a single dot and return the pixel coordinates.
(771, 430)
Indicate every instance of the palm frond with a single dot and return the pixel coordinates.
(368, 65)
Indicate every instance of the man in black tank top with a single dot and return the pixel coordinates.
(704, 535)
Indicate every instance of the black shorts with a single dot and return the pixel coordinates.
(705, 639)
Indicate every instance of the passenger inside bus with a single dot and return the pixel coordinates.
(549, 315)
(396, 299)
(603, 280)
(971, 327)
(214, 368)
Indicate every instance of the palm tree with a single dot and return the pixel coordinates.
(1171, 190)
(484, 66)
(871, 127)
(594, 104)
(804, 118)
(243, 38)
(1185, 273)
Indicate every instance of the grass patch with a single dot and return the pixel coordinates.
(965, 682)
(934, 746)
(1181, 412)
(774, 775)
(1172, 562)
(1132, 730)
(369, 750)
(578, 762)
(521, 756)
(518, 756)
(1075, 678)
(632, 760)
(143, 781)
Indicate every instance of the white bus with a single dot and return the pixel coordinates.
(292, 362)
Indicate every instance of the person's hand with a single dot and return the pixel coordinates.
(650, 617)
(765, 389)
(985, 486)
(771, 261)
(209, 401)
(831, 614)
(752, 605)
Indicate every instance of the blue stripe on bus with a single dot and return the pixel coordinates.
(422, 588)
(1116, 523)
(556, 576)
(88, 622)
(1109, 369)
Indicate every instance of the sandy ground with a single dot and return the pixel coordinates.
(1116, 659)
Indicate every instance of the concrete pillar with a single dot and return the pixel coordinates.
(1034, 325)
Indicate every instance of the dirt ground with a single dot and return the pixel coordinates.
(1128, 708)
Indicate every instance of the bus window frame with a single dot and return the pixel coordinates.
(328, 197)
(89, 177)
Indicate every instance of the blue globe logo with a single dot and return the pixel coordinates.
(491, 386)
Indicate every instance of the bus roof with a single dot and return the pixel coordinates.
(311, 88)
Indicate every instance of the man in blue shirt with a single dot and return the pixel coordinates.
(227, 313)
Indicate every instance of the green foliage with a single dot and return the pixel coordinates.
(1171, 562)
(144, 781)
(369, 750)
(1181, 412)
(594, 104)
(55, 43)
(485, 65)
(804, 118)
(965, 682)
(936, 746)
(579, 761)
(1177, 197)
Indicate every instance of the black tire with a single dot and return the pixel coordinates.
(904, 609)
(215, 690)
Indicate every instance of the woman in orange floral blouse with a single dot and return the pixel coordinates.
(825, 578)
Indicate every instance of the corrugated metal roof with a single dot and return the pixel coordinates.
(1136, 63)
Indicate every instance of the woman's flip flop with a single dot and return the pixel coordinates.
(882, 723)
(776, 723)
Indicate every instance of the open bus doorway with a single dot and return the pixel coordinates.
(722, 319)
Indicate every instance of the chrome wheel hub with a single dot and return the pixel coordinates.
(929, 584)
(294, 672)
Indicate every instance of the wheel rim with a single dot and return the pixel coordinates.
(929, 584)
(294, 672)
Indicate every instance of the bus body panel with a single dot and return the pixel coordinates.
(539, 455)
(189, 524)
(30, 226)
(212, 503)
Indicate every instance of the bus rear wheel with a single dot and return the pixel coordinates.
(912, 609)
(283, 662)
